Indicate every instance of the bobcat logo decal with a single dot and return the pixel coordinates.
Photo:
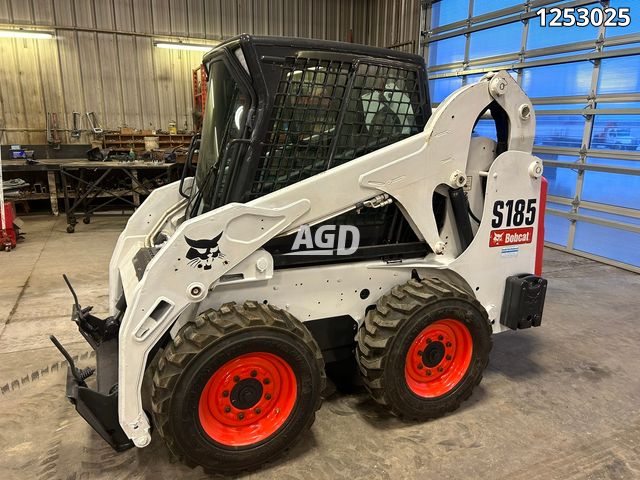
(497, 237)
(203, 252)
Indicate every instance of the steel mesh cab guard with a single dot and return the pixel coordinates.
(314, 105)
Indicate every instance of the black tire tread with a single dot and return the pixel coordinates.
(208, 327)
(382, 323)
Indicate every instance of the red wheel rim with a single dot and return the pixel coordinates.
(247, 399)
(438, 358)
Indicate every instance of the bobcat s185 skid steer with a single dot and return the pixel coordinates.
(332, 214)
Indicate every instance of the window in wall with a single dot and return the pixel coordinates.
(449, 11)
(541, 37)
(621, 190)
(480, 7)
(556, 228)
(619, 75)
(486, 128)
(633, 27)
(440, 88)
(616, 132)
(558, 80)
(607, 242)
(562, 181)
(496, 41)
(559, 130)
(445, 51)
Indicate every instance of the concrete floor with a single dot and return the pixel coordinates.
(561, 401)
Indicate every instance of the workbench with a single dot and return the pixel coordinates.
(89, 186)
(48, 166)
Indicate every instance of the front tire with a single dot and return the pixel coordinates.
(237, 387)
(424, 348)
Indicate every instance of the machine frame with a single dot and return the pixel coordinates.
(151, 307)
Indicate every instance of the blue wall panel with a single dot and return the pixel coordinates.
(481, 7)
(619, 75)
(619, 245)
(496, 41)
(558, 80)
(448, 50)
(565, 86)
(449, 11)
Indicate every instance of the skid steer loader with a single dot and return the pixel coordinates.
(332, 215)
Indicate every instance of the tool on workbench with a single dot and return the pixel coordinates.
(94, 124)
(53, 137)
(19, 153)
(96, 154)
(75, 125)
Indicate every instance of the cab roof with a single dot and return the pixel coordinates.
(309, 44)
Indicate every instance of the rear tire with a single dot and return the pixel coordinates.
(424, 348)
(237, 387)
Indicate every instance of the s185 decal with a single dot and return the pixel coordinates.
(514, 213)
(517, 216)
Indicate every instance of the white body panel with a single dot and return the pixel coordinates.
(311, 293)
(409, 171)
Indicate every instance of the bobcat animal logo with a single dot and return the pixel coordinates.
(497, 237)
(203, 252)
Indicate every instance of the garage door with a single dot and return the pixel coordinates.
(584, 82)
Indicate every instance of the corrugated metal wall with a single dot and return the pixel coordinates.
(103, 58)
(393, 23)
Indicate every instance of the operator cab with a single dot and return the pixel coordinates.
(281, 110)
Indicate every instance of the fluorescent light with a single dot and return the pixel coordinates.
(184, 46)
(25, 34)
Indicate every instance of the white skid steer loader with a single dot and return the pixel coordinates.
(332, 215)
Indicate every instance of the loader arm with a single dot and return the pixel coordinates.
(409, 171)
(148, 217)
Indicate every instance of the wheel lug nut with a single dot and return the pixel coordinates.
(254, 373)
(420, 366)
(236, 378)
(258, 411)
(448, 344)
(225, 393)
(266, 381)
(429, 340)
(440, 337)
(241, 416)
(440, 369)
(227, 409)
(428, 372)
(448, 357)
(267, 396)
(419, 353)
